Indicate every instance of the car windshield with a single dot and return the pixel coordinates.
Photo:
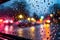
(29, 19)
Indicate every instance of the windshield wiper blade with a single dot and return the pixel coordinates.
(13, 37)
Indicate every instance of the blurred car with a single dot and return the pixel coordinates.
(25, 23)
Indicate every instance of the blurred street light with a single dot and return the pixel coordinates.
(48, 21)
(41, 20)
(42, 17)
(51, 15)
(28, 19)
(20, 16)
(32, 19)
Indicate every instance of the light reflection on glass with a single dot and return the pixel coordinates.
(32, 29)
(42, 31)
(20, 32)
(32, 32)
(45, 33)
(6, 29)
(11, 29)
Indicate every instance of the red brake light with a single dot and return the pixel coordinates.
(6, 29)
(6, 21)
(1, 20)
(11, 21)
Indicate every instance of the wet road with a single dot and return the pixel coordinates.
(38, 32)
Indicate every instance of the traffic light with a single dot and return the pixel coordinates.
(3, 1)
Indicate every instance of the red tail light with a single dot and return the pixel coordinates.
(6, 21)
(6, 29)
(1, 20)
(11, 21)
